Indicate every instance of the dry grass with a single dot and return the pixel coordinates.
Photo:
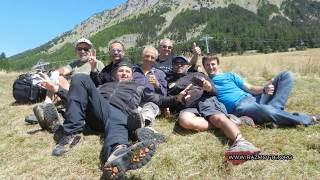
(26, 153)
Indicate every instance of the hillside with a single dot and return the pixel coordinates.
(235, 25)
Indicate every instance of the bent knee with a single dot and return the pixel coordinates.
(76, 79)
(185, 119)
(218, 119)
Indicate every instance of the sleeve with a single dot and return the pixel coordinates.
(161, 101)
(163, 87)
(98, 78)
(100, 66)
(238, 80)
(69, 67)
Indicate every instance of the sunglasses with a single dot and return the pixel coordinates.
(113, 50)
(85, 49)
(166, 47)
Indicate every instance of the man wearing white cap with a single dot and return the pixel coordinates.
(85, 52)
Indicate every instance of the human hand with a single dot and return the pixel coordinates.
(92, 59)
(153, 80)
(47, 83)
(207, 86)
(183, 95)
(269, 88)
(196, 49)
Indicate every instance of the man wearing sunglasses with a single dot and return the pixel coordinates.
(116, 52)
(164, 60)
(85, 52)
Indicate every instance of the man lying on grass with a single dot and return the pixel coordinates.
(106, 109)
(202, 111)
(262, 103)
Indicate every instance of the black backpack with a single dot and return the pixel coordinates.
(25, 92)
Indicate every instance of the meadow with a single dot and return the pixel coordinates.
(25, 150)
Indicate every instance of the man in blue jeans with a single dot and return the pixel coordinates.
(262, 104)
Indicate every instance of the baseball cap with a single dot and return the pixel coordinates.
(83, 40)
(186, 60)
(124, 62)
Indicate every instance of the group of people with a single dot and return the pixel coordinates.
(122, 100)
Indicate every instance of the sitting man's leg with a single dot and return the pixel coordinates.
(81, 96)
(120, 156)
(239, 146)
(283, 84)
(189, 120)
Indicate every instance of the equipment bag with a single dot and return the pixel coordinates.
(24, 91)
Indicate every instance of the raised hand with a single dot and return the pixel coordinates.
(196, 49)
(92, 59)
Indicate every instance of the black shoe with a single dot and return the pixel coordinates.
(31, 119)
(66, 143)
(148, 133)
(125, 158)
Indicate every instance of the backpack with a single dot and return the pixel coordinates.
(24, 91)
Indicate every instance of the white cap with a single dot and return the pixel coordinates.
(83, 40)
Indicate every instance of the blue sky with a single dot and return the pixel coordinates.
(26, 24)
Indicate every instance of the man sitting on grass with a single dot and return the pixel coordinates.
(106, 109)
(202, 111)
(262, 103)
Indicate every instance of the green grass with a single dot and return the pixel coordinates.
(25, 153)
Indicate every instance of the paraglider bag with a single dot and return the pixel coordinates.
(24, 90)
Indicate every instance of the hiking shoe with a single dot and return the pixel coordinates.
(31, 119)
(135, 120)
(149, 112)
(243, 120)
(39, 114)
(238, 153)
(52, 119)
(125, 158)
(148, 133)
(66, 143)
(315, 119)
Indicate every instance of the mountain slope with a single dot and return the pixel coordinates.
(236, 25)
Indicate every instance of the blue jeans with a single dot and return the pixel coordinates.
(265, 108)
(86, 104)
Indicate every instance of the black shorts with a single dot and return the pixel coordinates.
(207, 107)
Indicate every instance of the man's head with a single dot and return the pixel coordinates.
(116, 51)
(180, 64)
(211, 63)
(83, 47)
(123, 71)
(165, 48)
(149, 55)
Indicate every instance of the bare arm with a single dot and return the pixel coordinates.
(64, 71)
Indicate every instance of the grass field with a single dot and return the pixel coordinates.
(25, 153)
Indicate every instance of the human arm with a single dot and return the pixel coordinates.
(254, 89)
(196, 54)
(49, 85)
